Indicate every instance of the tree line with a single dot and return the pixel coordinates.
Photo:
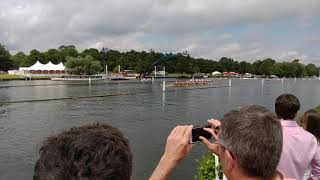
(143, 62)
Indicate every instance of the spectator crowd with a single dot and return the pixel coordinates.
(251, 142)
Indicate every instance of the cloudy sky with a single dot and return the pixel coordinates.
(241, 29)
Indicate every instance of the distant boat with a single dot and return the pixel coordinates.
(124, 75)
(119, 78)
(78, 78)
(145, 79)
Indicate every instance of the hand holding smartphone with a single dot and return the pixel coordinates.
(199, 131)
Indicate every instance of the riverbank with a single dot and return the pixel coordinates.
(8, 77)
(183, 75)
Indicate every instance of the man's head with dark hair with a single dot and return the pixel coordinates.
(287, 106)
(89, 152)
(250, 142)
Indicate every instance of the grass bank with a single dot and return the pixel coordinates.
(8, 77)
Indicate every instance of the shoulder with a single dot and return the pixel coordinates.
(309, 136)
(311, 140)
(297, 130)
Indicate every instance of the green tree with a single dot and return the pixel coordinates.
(256, 67)
(311, 70)
(266, 67)
(35, 56)
(116, 69)
(179, 67)
(94, 53)
(19, 59)
(195, 69)
(287, 69)
(54, 55)
(227, 64)
(110, 58)
(83, 66)
(245, 67)
(5, 62)
(298, 69)
(278, 70)
(143, 62)
(68, 51)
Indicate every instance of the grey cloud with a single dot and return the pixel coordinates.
(43, 24)
(120, 24)
(188, 15)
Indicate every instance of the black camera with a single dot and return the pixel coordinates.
(199, 131)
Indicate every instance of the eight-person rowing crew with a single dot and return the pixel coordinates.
(192, 82)
(250, 141)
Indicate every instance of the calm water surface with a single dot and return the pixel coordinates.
(145, 118)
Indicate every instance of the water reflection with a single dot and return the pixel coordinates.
(163, 100)
(2, 109)
(262, 86)
(229, 94)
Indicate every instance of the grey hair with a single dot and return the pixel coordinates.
(253, 135)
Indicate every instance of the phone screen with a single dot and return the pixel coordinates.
(198, 131)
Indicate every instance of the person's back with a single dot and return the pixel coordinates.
(299, 150)
(299, 146)
(88, 152)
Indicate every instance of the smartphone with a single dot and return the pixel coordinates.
(198, 131)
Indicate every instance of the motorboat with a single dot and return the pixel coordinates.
(119, 78)
(145, 79)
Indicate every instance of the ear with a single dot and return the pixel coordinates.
(230, 161)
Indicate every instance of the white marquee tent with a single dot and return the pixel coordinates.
(44, 67)
(41, 69)
(216, 73)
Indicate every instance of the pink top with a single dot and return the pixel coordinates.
(300, 151)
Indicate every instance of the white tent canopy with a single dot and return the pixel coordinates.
(216, 73)
(42, 67)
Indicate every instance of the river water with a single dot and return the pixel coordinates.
(141, 111)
